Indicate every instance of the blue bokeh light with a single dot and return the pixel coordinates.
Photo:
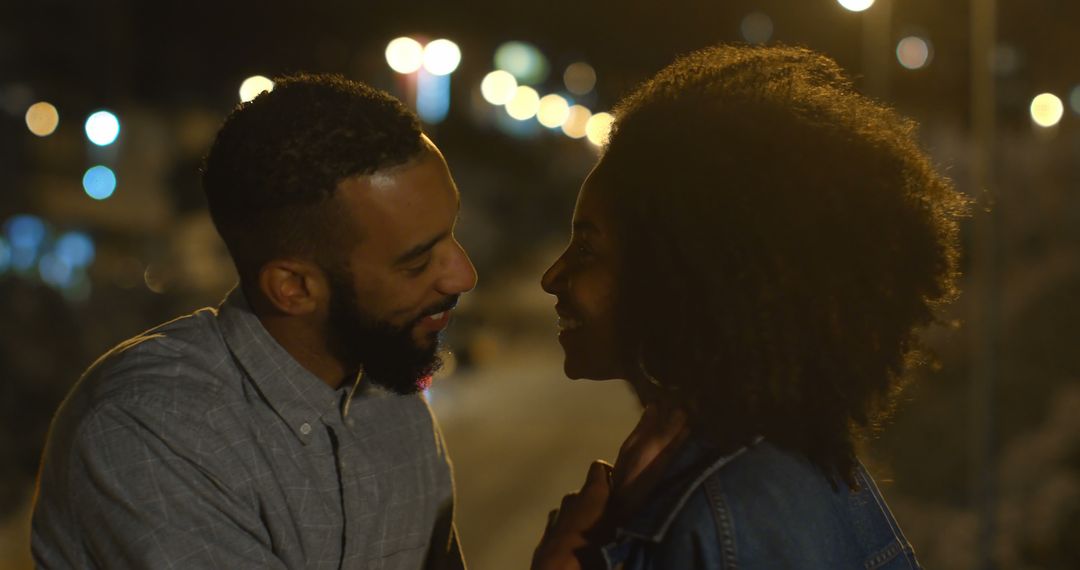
(55, 271)
(75, 248)
(99, 182)
(5, 255)
(432, 96)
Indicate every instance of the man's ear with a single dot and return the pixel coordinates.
(292, 286)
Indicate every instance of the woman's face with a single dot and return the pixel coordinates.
(584, 282)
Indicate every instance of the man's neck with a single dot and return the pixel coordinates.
(306, 345)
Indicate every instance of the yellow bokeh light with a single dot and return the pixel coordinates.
(525, 103)
(576, 120)
(598, 128)
(913, 52)
(498, 87)
(42, 119)
(553, 111)
(856, 5)
(1047, 110)
(404, 55)
(579, 78)
(253, 86)
(441, 57)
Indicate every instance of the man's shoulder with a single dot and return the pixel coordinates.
(184, 364)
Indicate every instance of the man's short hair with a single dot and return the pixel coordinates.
(278, 159)
(784, 238)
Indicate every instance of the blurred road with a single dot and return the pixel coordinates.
(521, 436)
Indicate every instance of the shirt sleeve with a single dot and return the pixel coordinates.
(135, 486)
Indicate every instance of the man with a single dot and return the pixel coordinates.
(284, 429)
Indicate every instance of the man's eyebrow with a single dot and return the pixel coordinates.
(420, 249)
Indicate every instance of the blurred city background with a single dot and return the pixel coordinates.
(106, 109)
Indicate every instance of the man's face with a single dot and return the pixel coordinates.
(584, 281)
(389, 306)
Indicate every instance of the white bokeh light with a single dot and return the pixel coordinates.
(856, 5)
(441, 57)
(102, 128)
(1047, 110)
(405, 55)
(253, 86)
(498, 87)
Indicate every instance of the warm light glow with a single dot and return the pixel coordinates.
(1047, 110)
(913, 52)
(498, 87)
(102, 128)
(404, 55)
(42, 119)
(576, 120)
(598, 128)
(579, 78)
(856, 5)
(253, 86)
(756, 28)
(441, 57)
(553, 111)
(523, 60)
(525, 103)
(99, 182)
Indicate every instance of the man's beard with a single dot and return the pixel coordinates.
(387, 354)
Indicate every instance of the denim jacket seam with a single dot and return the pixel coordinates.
(725, 527)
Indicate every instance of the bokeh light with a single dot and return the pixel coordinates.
(75, 248)
(756, 28)
(553, 111)
(525, 103)
(527, 64)
(55, 271)
(253, 86)
(26, 235)
(42, 119)
(1047, 110)
(913, 52)
(598, 128)
(432, 96)
(1005, 59)
(404, 55)
(577, 117)
(102, 128)
(5, 255)
(441, 57)
(99, 182)
(856, 5)
(1074, 99)
(498, 87)
(579, 78)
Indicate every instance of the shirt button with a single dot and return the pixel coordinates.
(305, 428)
(349, 422)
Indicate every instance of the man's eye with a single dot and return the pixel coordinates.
(418, 269)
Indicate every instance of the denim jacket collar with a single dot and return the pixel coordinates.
(694, 462)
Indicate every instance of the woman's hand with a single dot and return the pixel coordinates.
(587, 519)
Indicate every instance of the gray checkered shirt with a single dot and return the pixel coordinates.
(203, 444)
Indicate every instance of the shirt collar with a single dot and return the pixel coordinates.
(694, 462)
(298, 396)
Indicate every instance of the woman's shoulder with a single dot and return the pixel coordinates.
(767, 507)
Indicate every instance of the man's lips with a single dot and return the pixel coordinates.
(438, 317)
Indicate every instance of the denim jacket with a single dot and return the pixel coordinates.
(760, 507)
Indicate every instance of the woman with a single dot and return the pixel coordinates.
(757, 246)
